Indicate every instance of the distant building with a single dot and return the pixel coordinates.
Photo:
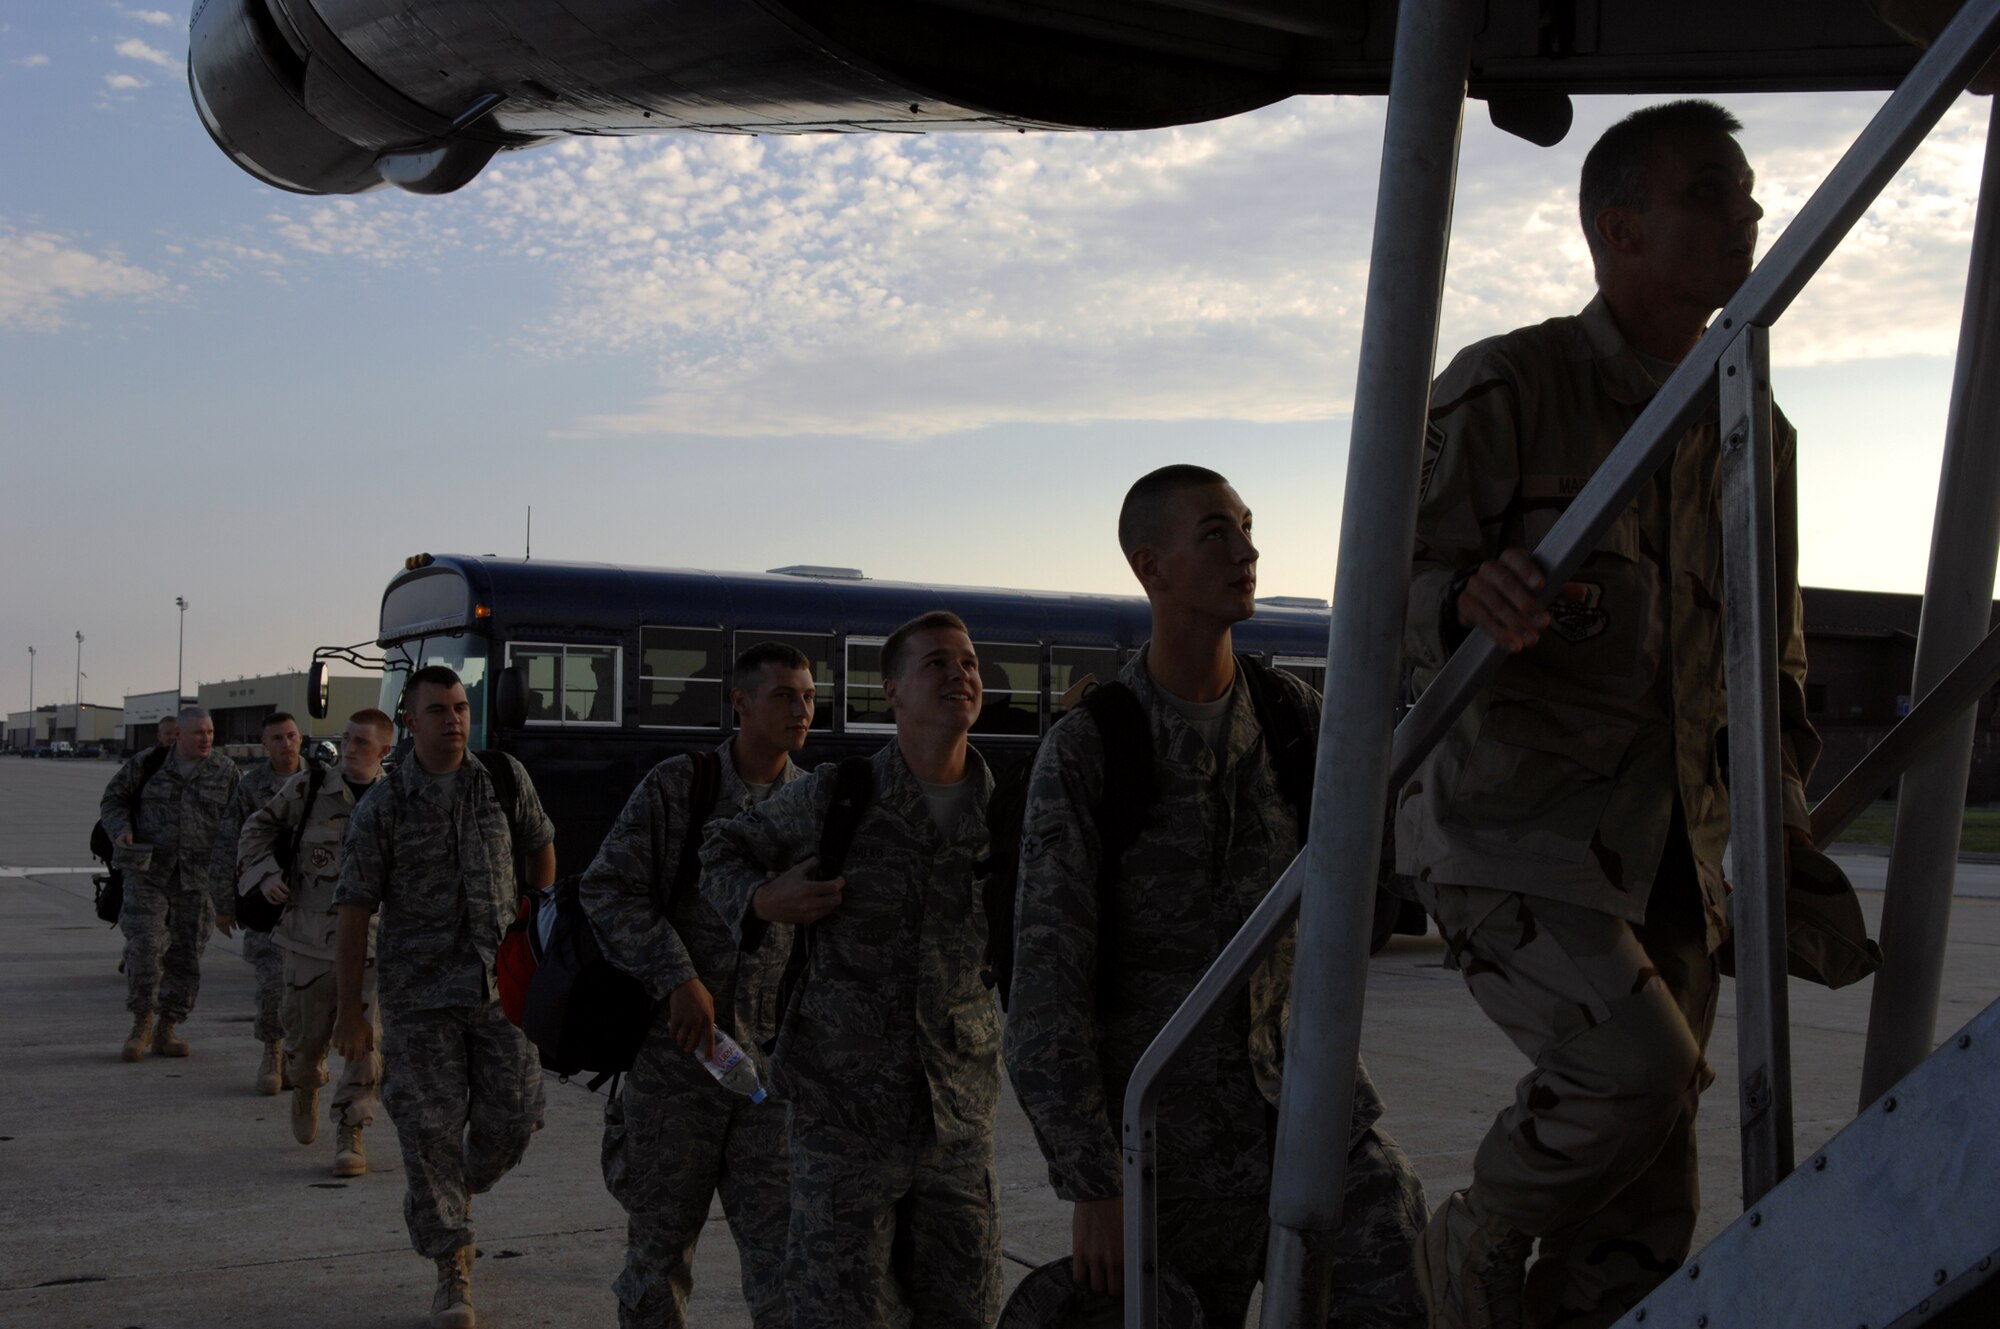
(240, 705)
(25, 728)
(1861, 648)
(143, 713)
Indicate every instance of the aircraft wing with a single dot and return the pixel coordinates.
(341, 96)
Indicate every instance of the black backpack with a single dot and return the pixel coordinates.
(1128, 793)
(584, 1013)
(111, 885)
(255, 912)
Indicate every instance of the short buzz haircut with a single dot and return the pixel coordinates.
(443, 676)
(192, 714)
(743, 674)
(277, 718)
(1139, 516)
(378, 719)
(1614, 170)
(892, 649)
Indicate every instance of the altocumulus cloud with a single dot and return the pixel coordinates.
(41, 274)
(908, 286)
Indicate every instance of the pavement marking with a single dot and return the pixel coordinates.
(44, 872)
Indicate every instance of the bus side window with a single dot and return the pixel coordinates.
(1010, 674)
(1074, 670)
(1311, 672)
(680, 677)
(569, 684)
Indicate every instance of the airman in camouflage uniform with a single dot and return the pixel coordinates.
(673, 1137)
(889, 1051)
(1219, 831)
(258, 784)
(306, 932)
(433, 849)
(1567, 833)
(168, 909)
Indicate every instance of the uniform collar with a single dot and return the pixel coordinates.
(1185, 747)
(1624, 379)
(734, 791)
(896, 784)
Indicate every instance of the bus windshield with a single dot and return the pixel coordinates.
(462, 653)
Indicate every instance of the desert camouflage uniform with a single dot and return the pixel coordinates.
(254, 788)
(167, 909)
(462, 1085)
(1218, 834)
(889, 1055)
(1567, 833)
(304, 937)
(673, 1137)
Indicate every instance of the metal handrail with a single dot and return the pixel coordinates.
(1842, 198)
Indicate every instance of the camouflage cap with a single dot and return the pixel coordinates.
(1046, 1299)
(1826, 938)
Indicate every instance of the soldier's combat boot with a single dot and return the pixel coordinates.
(166, 1042)
(271, 1070)
(142, 1034)
(305, 1113)
(451, 1304)
(349, 1158)
(1471, 1272)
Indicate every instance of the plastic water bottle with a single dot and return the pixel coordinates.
(732, 1068)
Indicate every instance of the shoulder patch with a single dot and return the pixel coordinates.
(1433, 450)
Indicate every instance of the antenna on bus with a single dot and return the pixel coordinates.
(528, 543)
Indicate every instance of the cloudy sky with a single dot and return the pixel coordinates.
(936, 358)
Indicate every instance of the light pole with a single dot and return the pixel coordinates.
(31, 696)
(180, 653)
(76, 715)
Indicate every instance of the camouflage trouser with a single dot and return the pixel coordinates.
(465, 1090)
(673, 1138)
(166, 930)
(310, 1007)
(1596, 1156)
(268, 959)
(1217, 1245)
(886, 1234)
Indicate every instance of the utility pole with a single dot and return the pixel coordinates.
(76, 715)
(180, 652)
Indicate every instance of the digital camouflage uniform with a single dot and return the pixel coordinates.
(304, 937)
(167, 909)
(463, 1086)
(889, 1055)
(254, 788)
(673, 1137)
(1567, 833)
(1218, 834)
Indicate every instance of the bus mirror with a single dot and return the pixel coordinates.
(318, 685)
(510, 697)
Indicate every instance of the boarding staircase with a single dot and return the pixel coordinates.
(1894, 1222)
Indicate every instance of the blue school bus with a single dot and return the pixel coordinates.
(615, 669)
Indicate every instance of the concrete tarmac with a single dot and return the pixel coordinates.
(170, 1194)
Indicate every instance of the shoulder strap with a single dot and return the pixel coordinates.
(297, 838)
(149, 766)
(853, 789)
(1291, 739)
(704, 788)
(1125, 732)
(505, 788)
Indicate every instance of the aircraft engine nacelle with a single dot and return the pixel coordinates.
(341, 96)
